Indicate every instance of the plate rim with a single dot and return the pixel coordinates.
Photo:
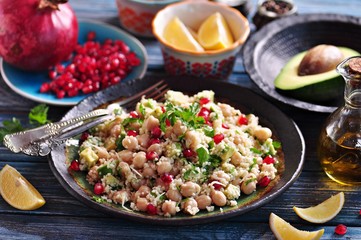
(56, 102)
(68, 181)
(273, 28)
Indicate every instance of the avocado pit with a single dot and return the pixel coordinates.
(320, 59)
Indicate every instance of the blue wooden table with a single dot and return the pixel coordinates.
(64, 217)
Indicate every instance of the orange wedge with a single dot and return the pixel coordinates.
(17, 191)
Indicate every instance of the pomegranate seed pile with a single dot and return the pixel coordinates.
(93, 66)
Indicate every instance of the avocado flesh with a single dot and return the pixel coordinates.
(317, 87)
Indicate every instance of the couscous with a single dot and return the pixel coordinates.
(187, 154)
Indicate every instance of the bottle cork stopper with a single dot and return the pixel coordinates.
(355, 65)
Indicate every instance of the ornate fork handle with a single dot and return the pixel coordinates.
(39, 141)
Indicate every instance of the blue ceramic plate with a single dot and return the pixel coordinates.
(28, 84)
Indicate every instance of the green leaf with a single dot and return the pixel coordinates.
(98, 199)
(128, 121)
(203, 155)
(255, 150)
(39, 115)
(276, 144)
(253, 164)
(215, 160)
(10, 126)
(119, 143)
(208, 131)
(142, 109)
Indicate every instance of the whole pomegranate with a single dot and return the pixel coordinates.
(36, 34)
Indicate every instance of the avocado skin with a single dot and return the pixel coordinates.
(321, 92)
(319, 88)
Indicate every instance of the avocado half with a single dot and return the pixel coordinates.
(320, 87)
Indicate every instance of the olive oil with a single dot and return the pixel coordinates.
(341, 158)
(339, 146)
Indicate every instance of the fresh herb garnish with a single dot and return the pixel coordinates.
(255, 150)
(203, 155)
(276, 144)
(37, 116)
(188, 116)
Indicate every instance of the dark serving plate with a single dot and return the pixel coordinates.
(268, 50)
(284, 129)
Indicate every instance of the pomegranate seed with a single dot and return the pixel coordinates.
(45, 87)
(151, 209)
(218, 138)
(134, 114)
(189, 153)
(84, 136)
(269, 160)
(167, 122)
(167, 178)
(98, 188)
(225, 126)
(59, 68)
(204, 112)
(153, 141)
(60, 94)
(204, 100)
(132, 133)
(74, 165)
(264, 181)
(341, 229)
(242, 120)
(156, 132)
(52, 74)
(151, 155)
(217, 186)
(91, 36)
(163, 109)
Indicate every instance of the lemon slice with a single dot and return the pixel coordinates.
(17, 191)
(285, 231)
(178, 35)
(214, 33)
(324, 211)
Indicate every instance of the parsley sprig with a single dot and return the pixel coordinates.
(188, 116)
(37, 116)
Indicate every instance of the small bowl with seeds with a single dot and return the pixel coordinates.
(269, 10)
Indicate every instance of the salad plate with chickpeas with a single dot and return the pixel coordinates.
(208, 151)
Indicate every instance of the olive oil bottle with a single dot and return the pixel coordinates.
(339, 146)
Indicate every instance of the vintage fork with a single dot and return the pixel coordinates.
(40, 141)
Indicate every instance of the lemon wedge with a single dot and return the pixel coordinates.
(214, 33)
(179, 36)
(324, 211)
(17, 191)
(285, 231)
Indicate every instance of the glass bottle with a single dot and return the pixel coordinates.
(339, 146)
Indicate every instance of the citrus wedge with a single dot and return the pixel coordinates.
(179, 36)
(214, 33)
(324, 211)
(285, 231)
(17, 191)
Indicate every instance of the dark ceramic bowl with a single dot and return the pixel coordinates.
(269, 49)
(284, 129)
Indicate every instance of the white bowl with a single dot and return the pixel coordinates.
(210, 63)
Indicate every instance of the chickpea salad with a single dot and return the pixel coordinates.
(186, 154)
